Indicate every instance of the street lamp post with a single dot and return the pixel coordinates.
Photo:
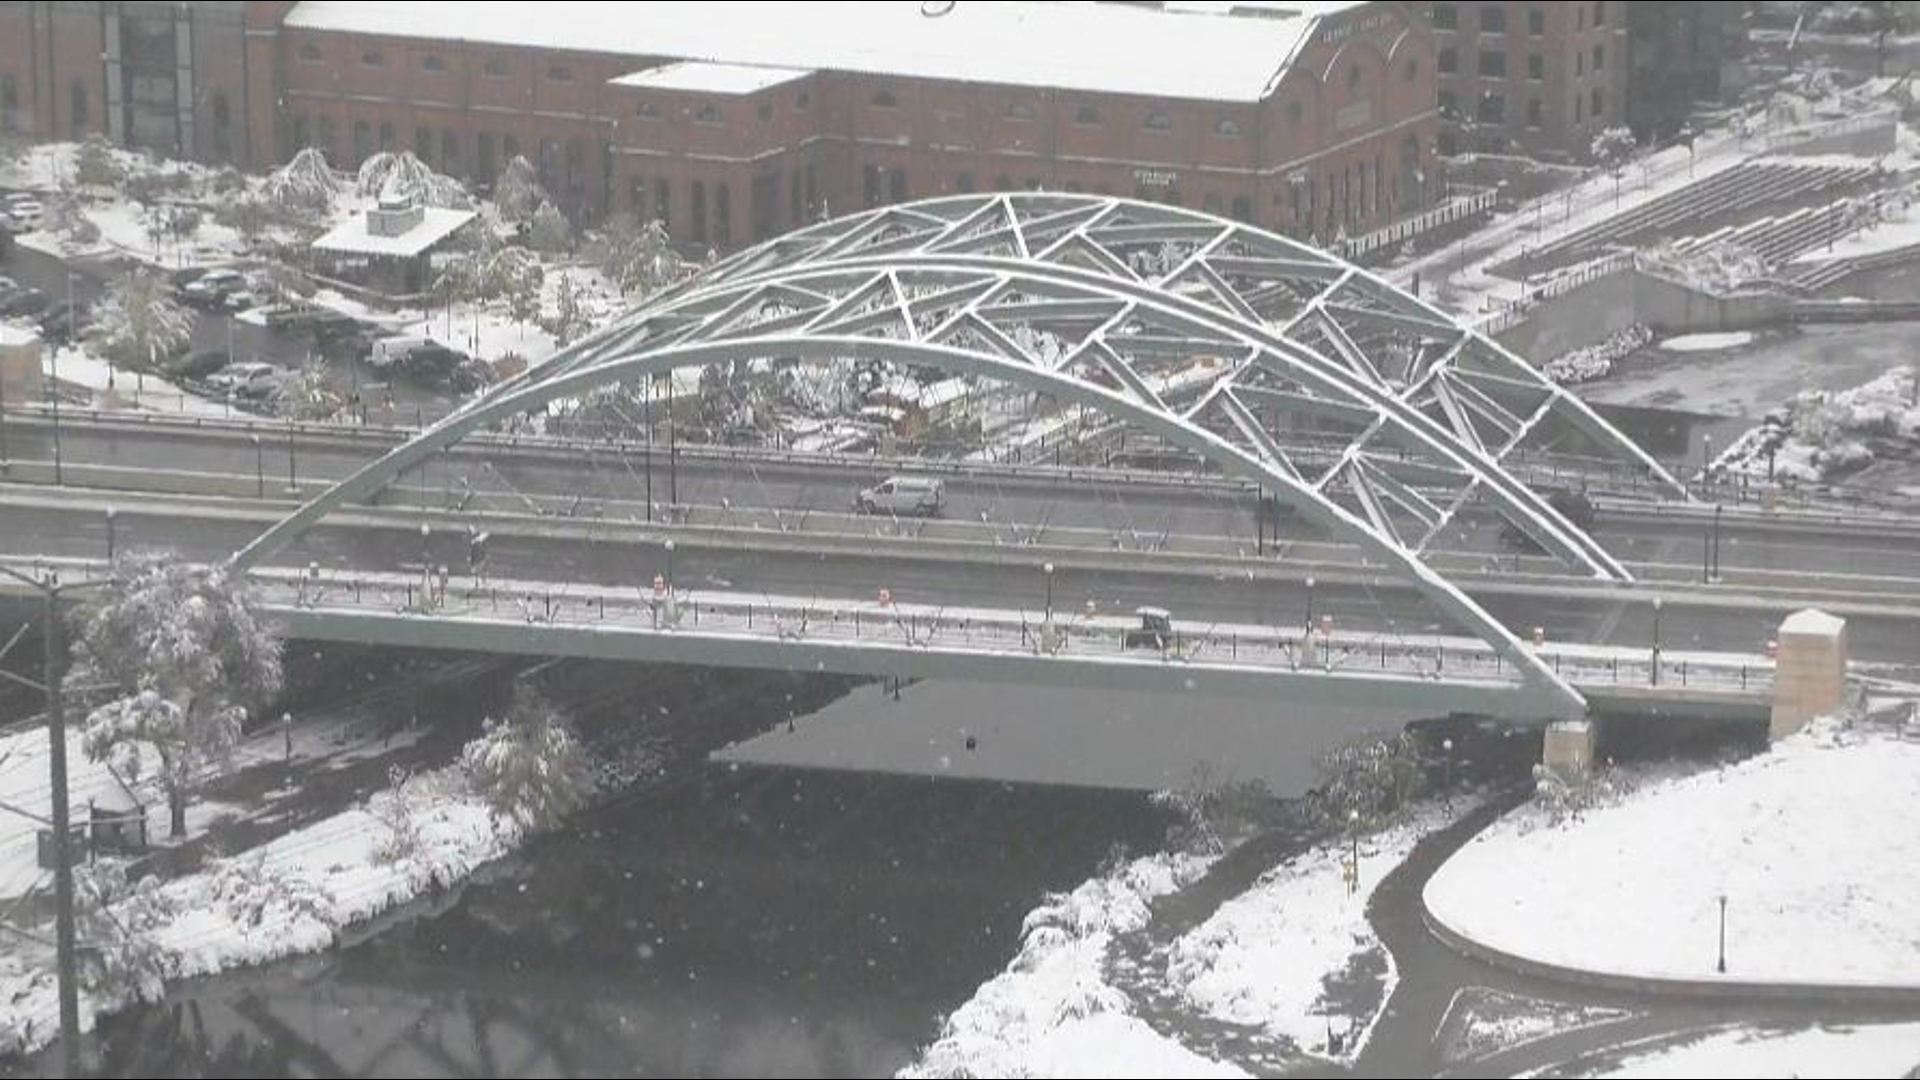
(426, 562)
(1048, 568)
(111, 514)
(293, 476)
(1309, 605)
(1353, 833)
(1446, 746)
(1657, 604)
(1706, 463)
(259, 467)
(1722, 966)
(669, 550)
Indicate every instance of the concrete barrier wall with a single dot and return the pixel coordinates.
(1594, 311)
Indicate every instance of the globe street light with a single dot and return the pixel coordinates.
(1049, 571)
(1657, 604)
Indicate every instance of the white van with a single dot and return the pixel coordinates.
(388, 351)
(914, 495)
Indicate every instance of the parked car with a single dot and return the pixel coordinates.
(22, 211)
(214, 289)
(62, 322)
(199, 366)
(250, 380)
(24, 303)
(910, 495)
(387, 351)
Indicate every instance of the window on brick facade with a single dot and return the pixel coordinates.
(1243, 209)
(697, 213)
(1448, 104)
(722, 214)
(1087, 116)
(1493, 63)
(897, 184)
(423, 144)
(1413, 68)
(1021, 110)
(1599, 12)
(388, 137)
(1353, 76)
(1446, 16)
(1536, 114)
(884, 99)
(708, 114)
(449, 150)
(1599, 58)
(1493, 109)
(765, 111)
(963, 183)
(1536, 21)
(1536, 67)
(1493, 19)
(1295, 112)
(559, 73)
(663, 203)
(1449, 61)
(1599, 107)
(647, 110)
(374, 58)
(310, 53)
(1158, 120)
(433, 62)
(803, 100)
(496, 67)
(1227, 126)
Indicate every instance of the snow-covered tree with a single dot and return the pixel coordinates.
(117, 918)
(522, 280)
(640, 259)
(549, 230)
(1612, 149)
(305, 185)
(137, 324)
(392, 174)
(568, 321)
(183, 658)
(517, 192)
(1367, 783)
(65, 217)
(311, 396)
(94, 165)
(530, 765)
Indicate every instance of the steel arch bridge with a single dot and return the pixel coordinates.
(1216, 337)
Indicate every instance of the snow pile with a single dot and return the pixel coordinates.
(1707, 342)
(1819, 888)
(287, 897)
(1822, 434)
(1052, 1012)
(1891, 1050)
(1719, 268)
(1267, 958)
(1595, 361)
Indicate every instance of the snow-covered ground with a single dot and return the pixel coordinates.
(291, 896)
(1267, 957)
(1806, 842)
(1052, 1013)
(1887, 1051)
(1596, 361)
(120, 387)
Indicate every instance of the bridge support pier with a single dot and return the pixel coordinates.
(1567, 749)
(1810, 672)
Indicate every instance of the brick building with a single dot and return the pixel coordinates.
(169, 77)
(733, 122)
(1530, 77)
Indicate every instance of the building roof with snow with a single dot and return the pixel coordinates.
(359, 236)
(701, 77)
(12, 336)
(1812, 622)
(1099, 48)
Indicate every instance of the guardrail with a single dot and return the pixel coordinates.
(1478, 201)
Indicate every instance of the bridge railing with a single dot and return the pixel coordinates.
(923, 626)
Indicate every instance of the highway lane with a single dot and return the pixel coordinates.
(1140, 514)
(621, 554)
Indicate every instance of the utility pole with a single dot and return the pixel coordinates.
(66, 948)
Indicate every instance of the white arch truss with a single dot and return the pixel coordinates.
(1220, 339)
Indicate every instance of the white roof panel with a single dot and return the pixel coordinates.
(352, 238)
(700, 77)
(1100, 48)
